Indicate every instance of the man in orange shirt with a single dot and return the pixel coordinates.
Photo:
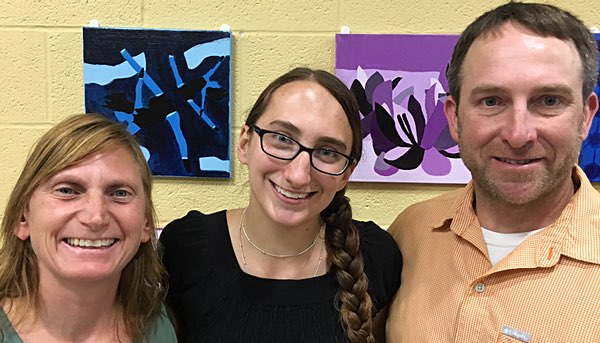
(515, 255)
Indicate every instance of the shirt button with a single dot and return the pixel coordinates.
(479, 288)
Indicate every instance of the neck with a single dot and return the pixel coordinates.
(270, 250)
(505, 217)
(74, 312)
(276, 238)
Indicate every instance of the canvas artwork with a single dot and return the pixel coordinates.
(589, 158)
(171, 88)
(400, 84)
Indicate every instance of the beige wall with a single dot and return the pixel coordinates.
(42, 82)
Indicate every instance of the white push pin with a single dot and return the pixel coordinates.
(345, 29)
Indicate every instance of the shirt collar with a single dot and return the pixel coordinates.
(460, 215)
(576, 232)
(578, 226)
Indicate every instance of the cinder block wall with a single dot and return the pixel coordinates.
(42, 80)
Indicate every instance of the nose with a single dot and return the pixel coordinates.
(298, 170)
(94, 211)
(518, 128)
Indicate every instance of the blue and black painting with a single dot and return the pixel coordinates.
(170, 88)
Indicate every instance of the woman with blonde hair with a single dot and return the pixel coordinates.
(78, 261)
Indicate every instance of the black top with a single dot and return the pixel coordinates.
(215, 301)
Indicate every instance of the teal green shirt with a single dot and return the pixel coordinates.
(162, 332)
(7, 332)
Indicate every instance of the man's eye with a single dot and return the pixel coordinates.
(551, 101)
(490, 102)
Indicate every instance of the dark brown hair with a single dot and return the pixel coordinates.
(544, 20)
(341, 236)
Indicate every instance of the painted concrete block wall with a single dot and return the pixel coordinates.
(42, 82)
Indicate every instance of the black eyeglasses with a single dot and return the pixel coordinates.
(282, 147)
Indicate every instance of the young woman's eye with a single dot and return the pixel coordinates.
(278, 140)
(327, 153)
(282, 139)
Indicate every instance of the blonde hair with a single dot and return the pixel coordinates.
(143, 281)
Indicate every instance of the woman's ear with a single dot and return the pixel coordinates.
(346, 176)
(146, 232)
(243, 145)
(22, 229)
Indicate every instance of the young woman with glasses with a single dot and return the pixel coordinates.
(292, 266)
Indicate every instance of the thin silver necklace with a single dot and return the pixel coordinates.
(242, 222)
(244, 255)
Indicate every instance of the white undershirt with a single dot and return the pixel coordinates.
(501, 244)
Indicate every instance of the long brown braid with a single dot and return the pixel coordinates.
(341, 236)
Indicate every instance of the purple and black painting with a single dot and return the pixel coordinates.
(400, 84)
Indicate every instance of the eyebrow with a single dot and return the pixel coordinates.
(555, 88)
(549, 88)
(486, 89)
(286, 125)
(68, 177)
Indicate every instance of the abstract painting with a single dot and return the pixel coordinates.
(170, 88)
(400, 84)
(589, 158)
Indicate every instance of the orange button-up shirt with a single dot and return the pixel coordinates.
(546, 290)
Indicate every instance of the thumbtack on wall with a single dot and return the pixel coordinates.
(225, 27)
(345, 29)
(94, 23)
(594, 29)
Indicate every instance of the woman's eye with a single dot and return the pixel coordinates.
(282, 139)
(65, 191)
(327, 153)
(121, 193)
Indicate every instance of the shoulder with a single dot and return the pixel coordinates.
(194, 225)
(193, 219)
(188, 241)
(376, 242)
(427, 212)
(436, 204)
(7, 332)
(382, 260)
(162, 331)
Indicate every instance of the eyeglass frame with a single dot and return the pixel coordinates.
(261, 132)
